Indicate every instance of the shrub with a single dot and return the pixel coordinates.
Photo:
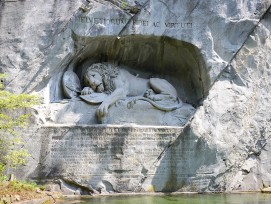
(12, 117)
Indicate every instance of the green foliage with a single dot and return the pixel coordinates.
(12, 116)
(124, 5)
(3, 178)
(2, 169)
(16, 157)
(24, 185)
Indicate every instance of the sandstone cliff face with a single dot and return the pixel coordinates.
(222, 53)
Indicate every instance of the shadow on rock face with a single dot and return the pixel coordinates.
(178, 62)
(185, 166)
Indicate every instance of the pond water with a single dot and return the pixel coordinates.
(175, 199)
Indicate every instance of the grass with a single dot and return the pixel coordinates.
(26, 190)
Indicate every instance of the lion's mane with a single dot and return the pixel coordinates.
(107, 72)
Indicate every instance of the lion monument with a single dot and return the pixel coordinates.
(106, 84)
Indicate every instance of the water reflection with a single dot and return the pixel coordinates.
(175, 199)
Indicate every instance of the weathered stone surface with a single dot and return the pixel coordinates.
(141, 113)
(217, 28)
(28, 43)
(215, 53)
(115, 158)
(240, 110)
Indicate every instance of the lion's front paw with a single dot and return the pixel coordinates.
(148, 93)
(102, 110)
(87, 90)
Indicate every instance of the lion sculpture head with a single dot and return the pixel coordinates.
(105, 73)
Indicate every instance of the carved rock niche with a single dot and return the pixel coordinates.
(172, 62)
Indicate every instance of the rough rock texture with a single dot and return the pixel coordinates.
(141, 113)
(27, 39)
(113, 158)
(239, 126)
(216, 52)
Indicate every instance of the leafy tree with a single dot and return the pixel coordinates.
(12, 117)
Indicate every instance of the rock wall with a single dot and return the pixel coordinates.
(224, 74)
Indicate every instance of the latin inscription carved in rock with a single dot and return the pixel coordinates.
(141, 22)
(122, 151)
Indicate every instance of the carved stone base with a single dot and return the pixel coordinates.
(108, 158)
(141, 113)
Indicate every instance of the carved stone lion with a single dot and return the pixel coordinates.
(109, 84)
